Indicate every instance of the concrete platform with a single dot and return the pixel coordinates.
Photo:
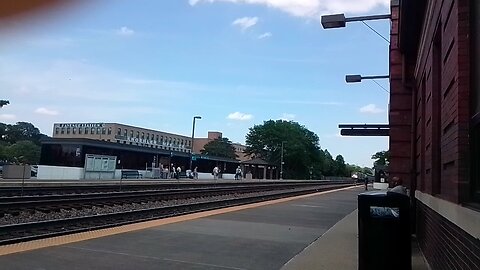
(265, 237)
(315, 232)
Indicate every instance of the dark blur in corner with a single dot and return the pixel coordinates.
(27, 13)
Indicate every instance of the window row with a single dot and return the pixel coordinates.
(131, 135)
(155, 146)
(168, 141)
(86, 130)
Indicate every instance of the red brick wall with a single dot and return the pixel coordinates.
(443, 82)
(445, 245)
(400, 109)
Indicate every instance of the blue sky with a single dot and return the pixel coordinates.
(156, 64)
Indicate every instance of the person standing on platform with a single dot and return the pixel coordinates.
(238, 173)
(195, 173)
(215, 173)
(179, 170)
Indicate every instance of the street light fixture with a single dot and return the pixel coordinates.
(339, 20)
(359, 78)
(193, 136)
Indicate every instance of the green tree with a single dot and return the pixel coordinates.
(328, 164)
(4, 102)
(381, 158)
(301, 150)
(20, 131)
(221, 147)
(340, 166)
(24, 152)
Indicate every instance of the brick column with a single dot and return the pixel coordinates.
(400, 107)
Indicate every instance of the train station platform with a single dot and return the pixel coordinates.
(316, 231)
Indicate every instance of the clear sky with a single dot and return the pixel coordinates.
(237, 63)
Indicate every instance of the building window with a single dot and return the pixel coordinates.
(109, 131)
(143, 135)
(62, 131)
(68, 130)
(80, 130)
(92, 131)
(56, 130)
(131, 133)
(119, 131)
(125, 132)
(98, 130)
(161, 140)
(157, 138)
(86, 130)
(104, 131)
(74, 130)
(138, 134)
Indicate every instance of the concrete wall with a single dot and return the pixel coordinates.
(16, 172)
(58, 172)
(209, 176)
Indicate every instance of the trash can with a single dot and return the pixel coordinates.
(384, 231)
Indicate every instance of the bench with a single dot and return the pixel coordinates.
(131, 174)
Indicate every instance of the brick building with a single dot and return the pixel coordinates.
(434, 122)
(136, 148)
(199, 143)
(123, 134)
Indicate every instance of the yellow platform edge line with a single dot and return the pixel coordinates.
(77, 237)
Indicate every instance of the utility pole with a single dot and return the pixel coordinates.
(281, 162)
(193, 138)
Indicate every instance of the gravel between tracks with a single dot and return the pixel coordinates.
(36, 216)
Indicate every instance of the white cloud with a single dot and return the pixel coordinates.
(288, 116)
(76, 88)
(245, 22)
(371, 108)
(265, 35)
(311, 8)
(125, 31)
(7, 116)
(239, 116)
(46, 111)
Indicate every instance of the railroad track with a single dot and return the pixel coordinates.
(15, 233)
(48, 203)
(38, 190)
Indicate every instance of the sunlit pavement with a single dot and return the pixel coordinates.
(317, 232)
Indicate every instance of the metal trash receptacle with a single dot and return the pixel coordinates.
(384, 240)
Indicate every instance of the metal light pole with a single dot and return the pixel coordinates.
(193, 136)
(359, 78)
(281, 162)
(339, 20)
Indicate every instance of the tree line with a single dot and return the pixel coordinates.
(20, 143)
(302, 156)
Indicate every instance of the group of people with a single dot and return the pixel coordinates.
(173, 172)
(216, 173)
